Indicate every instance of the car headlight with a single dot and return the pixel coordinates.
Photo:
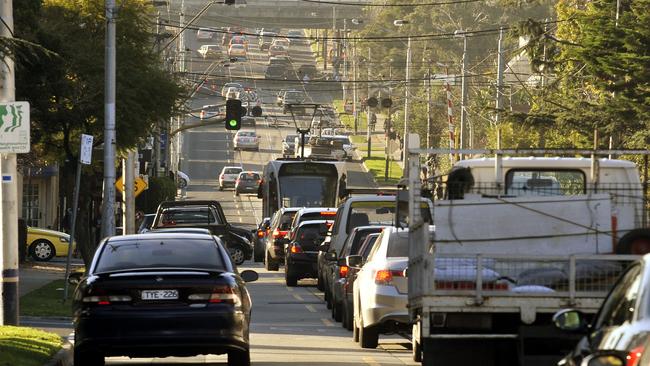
(63, 239)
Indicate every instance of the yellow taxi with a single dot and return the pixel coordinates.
(44, 244)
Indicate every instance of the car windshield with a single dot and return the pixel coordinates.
(160, 253)
(249, 176)
(232, 171)
(246, 134)
(175, 217)
(237, 46)
(320, 215)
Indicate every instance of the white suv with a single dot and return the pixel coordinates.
(228, 176)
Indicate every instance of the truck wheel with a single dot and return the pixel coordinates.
(636, 242)
(368, 336)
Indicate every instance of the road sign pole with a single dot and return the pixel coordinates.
(108, 208)
(85, 157)
(129, 194)
(9, 187)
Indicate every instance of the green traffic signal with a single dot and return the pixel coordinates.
(233, 114)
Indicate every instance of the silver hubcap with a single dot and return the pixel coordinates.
(237, 255)
(42, 250)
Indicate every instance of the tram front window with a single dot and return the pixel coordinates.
(308, 191)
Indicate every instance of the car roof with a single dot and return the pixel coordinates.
(316, 209)
(368, 227)
(157, 235)
(187, 230)
(232, 166)
(313, 222)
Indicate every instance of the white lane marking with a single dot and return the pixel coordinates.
(327, 322)
(290, 289)
(311, 309)
(298, 297)
(370, 361)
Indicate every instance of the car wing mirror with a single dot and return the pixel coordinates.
(571, 320)
(353, 260)
(75, 278)
(249, 276)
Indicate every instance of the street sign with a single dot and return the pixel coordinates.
(86, 152)
(139, 185)
(442, 79)
(14, 127)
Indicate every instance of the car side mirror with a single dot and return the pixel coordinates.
(75, 277)
(607, 358)
(354, 260)
(570, 320)
(330, 256)
(249, 276)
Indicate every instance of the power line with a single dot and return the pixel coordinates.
(392, 5)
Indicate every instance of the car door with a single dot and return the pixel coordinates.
(610, 329)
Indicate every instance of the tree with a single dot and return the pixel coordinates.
(66, 91)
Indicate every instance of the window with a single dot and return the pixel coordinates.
(31, 204)
(376, 246)
(620, 304)
(545, 182)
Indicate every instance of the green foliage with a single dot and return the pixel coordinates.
(46, 301)
(160, 189)
(27, 346)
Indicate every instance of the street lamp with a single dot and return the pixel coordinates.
(399, 23)
(302, 115)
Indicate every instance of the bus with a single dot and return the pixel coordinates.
(299, 183)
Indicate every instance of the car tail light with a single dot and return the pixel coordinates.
(219, 295)
(260, 233)
(328, 213)
(106, 299)
(343, 271)
(278, 234)
(634, 356)
(296, 248)
(385, 276)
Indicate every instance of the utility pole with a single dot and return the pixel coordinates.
(324, 49)
(463, 95)
(406, 107)
(500, 69)
(344, 51)
(369, 134)
(108, 212)
(429, 111)
(8, 189)
(355, 77)
(181, 39)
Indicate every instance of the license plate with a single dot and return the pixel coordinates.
(159, 295)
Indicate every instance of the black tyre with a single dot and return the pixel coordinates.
(368, 336)
(635, 242)
(42, 250)
(328, 298)
(319, 283)
(221, 188)
(237, 254)
(239, 358)
(348, 316)
(355, 330)
(289, 279)
(87, 358)
(336, 312)
(270, 264)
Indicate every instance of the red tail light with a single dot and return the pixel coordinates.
(277, 234)
(328, 213)
(343, 271)
(260, 233)
(219, 295)
(634, 356)
(296, 248)
(385, 276)
(102, 299)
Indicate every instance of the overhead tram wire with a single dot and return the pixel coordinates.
(440, 3)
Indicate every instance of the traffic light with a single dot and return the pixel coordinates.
(233, 114)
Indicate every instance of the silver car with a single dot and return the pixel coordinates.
(246, 140)
(247, 182)
(381, 289)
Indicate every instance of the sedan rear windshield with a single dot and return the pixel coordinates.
(232, 171)
(198, 254)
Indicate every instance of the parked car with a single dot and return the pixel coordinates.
(176, 289)
(301, 254)
(45, 244)
(261, 236)
(354, 262)
(247, 182)
(237, 51)
(145, 225)
(227, 86)
(276, 50)
(211, 51)
(280, 226)
(336, 292)
(228, 176)
(381, 289)
(246, 140)
(210, 111)
(620, 331)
